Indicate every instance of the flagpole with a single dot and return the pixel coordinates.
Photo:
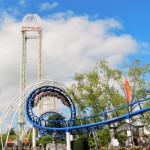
(128, 98)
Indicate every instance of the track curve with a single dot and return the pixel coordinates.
(74, 124)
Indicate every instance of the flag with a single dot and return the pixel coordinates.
(127, 90)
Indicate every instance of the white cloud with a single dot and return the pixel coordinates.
(48, 6)
(72, 44)
(78, 43)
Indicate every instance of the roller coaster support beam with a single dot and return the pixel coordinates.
(34, 137)
(68, 140)
(129, 132)
(71, 137)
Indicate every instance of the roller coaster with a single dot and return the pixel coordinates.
(61, 127)
(26, 112)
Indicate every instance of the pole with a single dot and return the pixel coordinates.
(40, 55)
(33, 137)
(68, 140)
(128, 130)
(71, 137)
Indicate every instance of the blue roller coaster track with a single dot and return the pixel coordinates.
(74, 125)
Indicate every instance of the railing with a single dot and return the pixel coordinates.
(126, 148)
(27, 148)
(102, 148)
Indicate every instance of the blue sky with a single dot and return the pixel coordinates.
(76, 34)
(133, 15)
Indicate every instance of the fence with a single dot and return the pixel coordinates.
(37, 148)
(126, 148)
(102, 148)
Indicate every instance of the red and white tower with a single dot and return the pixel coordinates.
(31, 29)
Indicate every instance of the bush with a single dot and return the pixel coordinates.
(80, 144)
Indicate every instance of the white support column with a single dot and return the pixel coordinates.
(33, 137)
(112, 134)
(71, 137)
(68, 140)
(129, 132)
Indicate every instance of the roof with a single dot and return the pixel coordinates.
(10, 141)
(26, 141)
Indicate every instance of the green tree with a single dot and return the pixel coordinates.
(45, 140)
(137, 73)
(146, 119)
(12, 132)
(103, 137)
(93, 88)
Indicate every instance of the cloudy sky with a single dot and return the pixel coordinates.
(76, 34)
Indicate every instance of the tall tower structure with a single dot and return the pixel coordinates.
(31, 29)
